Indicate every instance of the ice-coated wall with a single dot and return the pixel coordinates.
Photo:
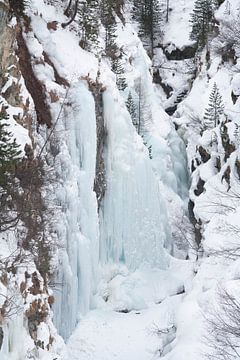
(78, 225)
(134, 225)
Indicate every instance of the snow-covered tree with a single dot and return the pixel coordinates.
(223, 321)
(117, 68)
(215, 108)
(132, 109)
(89, 15)
(228, 40)
(109, 22)
(17, 7)
(148, 14)
(9, 157)
(202, 21)
(9, 149)
(144, 111)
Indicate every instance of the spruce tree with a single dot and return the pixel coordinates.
(148, 14)
(144, 111)
(215, 108)
(9, 156)
(111, 48)
(117, 68)
(109, 22)
(132, 109)
(17, 7)
(202, 21)
(9, 149)
(89, 15)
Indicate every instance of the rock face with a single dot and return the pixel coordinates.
(8, 62)
(6, 38)
(100, 181)
(188, 52)
(34, 86)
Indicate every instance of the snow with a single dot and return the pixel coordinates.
(178, 28)
(122, 336)
(18, 131)
(106, 334)
(119, 292)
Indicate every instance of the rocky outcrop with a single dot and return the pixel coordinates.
(100, 181)
(33, 85)
(188, 52)
(8, 60)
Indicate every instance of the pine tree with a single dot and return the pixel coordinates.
(215, 108)
(90, 22)
(111, 47)
(202, 21)
(9, 149)
(17, 7)
(148, 14)
(132, 109)
(117, 68)
(144, 111)
(109, 22)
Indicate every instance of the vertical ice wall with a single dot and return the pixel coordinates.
(134, 223)
(134, 219)
(78, 225)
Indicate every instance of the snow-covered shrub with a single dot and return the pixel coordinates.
(223, 336)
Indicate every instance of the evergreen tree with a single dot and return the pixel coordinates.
(215, 108)
(144, 111)
(17, 7)
(132, 109)
(109, 22)
(202, 21)
(118, 70)
(90, 22)
(150, 151)
(148, 14)
(111, 49)
(9, 149)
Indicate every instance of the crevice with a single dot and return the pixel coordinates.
(33, 85)
(188, 52)
(157, 79)
(180, 97)
(196, 224)
(97, 90)
(59, 79)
